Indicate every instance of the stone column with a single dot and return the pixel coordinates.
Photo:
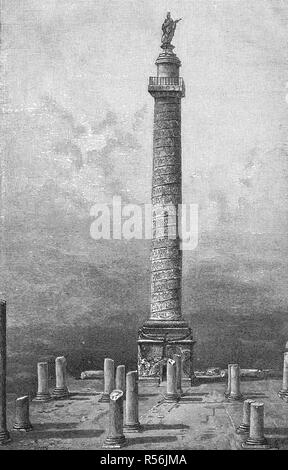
(61, 389)
(121, 379)
(132, 413)
(235, 393)
(166, 255)
(4, 434)
(165, 332)
(228, 390)
(22, 421)
(245, 425)
(178, 360)
(43, 383)
(256, 438)
(109, 380)
(171, 394)
(115, 438)
(284, 391)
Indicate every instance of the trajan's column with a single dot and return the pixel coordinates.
(165, 332)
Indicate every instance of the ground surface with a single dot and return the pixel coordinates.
(203, 419)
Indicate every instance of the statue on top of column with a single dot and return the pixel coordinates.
(168, 29)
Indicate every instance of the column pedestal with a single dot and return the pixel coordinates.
(158, 344)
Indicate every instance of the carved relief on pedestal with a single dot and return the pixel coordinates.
(150, 359)
(186, 354)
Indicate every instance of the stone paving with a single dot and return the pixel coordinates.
(203, 419)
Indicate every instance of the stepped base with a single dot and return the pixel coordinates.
(60, 393)
(105, 398)
(235, 397)
(256, 444)
(114, 442)
(4, 437)
(283, 394)
(243, 429)
(23, 427)
(133, 428)
(171, 398)
(42, 397)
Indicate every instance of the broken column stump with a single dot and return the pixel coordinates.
(121, 379)
(228, 389)
(244, 427)
(4, 434)
(178, 359)
(235, 393)
(61, 390)
(132, 411)
(256, 439)
(109, 380)
(22, 420)
(43, 394)
(283, 393)
(171, 394)
(115, 438)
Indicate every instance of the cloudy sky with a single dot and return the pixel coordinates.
(90, 56)
(77, 124)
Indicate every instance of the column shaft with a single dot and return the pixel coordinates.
(4, 435)
(166, 256)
